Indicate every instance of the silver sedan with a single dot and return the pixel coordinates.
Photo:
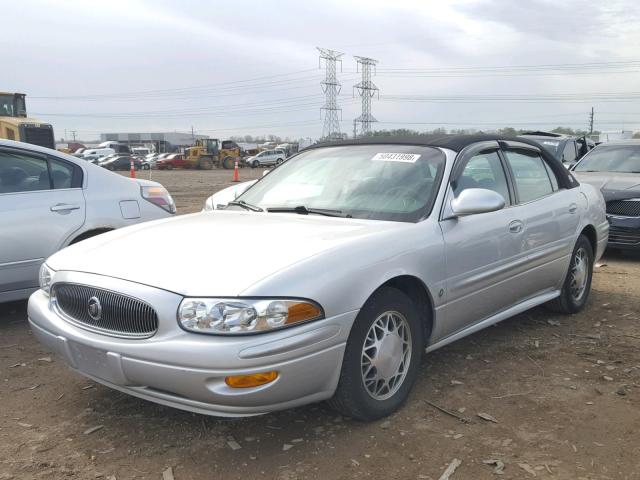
(347, 262)
(49, 200)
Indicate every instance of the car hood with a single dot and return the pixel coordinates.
(613, 185)
(219, 253)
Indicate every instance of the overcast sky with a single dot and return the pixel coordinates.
(251, 67)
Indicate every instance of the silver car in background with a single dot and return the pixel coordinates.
(49, 200)
(377, 248)
(267, 158)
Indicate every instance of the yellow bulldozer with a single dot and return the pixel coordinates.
(209, 152)
(15, 125)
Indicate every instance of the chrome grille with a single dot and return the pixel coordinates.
(626, 208)
(120, 315)
(624, 236)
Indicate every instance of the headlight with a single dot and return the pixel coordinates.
(158, 196)
(240, 316)
(44, 278)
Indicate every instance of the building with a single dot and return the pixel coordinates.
(162, 142)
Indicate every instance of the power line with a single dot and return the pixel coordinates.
(179, 90)
(536, 98)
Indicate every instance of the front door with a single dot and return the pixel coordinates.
(484, 252)
(41, 205)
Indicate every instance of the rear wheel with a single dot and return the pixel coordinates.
(382, 357)
(577, 284)
(279, 161)
(169, 166)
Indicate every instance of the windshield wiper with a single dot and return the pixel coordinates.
(302, 210)
(245, 205)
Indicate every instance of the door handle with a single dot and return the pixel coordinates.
(573, 208)
(516, 226)
(64, 207)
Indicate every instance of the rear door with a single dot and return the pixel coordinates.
(41, 205)
(484, 252)
(550, 214)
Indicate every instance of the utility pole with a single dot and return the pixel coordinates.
(73, 132)
(355, 132)
(331, 88)
(193, 137)
(366, 89)
(591, 122)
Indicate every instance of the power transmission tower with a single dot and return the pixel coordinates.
(591, 121)
(366, 89)
(331, 88)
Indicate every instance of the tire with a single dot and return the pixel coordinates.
(279, 161)
(255, 164)
(381, 397)
(570, 300)
(205, 164)
(110, 168)
(169, 166)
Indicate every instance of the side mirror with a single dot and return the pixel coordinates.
(476, 200)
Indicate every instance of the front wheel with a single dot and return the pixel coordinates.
(577, 284)
(382, 357)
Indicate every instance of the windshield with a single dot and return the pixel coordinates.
(6, 106)
(614, 158)
(379, 182)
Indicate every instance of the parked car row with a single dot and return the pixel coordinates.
(386, 247)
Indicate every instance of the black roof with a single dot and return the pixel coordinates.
(452, 142)
(457, 143)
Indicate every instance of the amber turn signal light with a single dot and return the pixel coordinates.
(253, 380)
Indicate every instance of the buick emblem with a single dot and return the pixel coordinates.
(94, 308)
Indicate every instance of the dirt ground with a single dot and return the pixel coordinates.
(564, 392)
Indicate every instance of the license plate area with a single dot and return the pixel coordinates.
(93, 362)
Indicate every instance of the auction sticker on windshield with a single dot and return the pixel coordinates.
(396, 157)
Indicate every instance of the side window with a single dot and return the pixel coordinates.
(530, 175)
(569, 152)
(22, 173)
(484, 171)
(62, 174)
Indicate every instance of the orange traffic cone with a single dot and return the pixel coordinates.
(235, 172)
(132, 172)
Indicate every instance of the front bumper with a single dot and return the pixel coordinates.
(187, 370)
(624, 232)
